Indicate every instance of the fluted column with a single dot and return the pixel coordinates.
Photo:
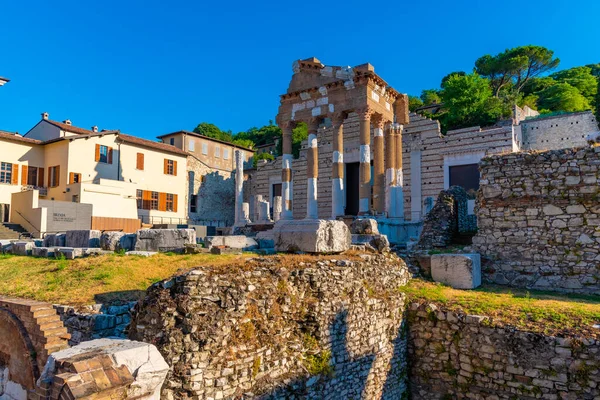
(390, 168)
(287, 190)
(364, 203)
(337, 173)
(240, 216)
(312, 171)
(378, 167)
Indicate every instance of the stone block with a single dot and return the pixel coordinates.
(225, 250)
(43, 251)
(312, 236)
(146, 368)
(83, 238)
(70, 253)
(164, 239)
(116, 241)
(22, 248)
(366, 226)
(233, 241)
(461, 271)
(141, 253)
(54, 240)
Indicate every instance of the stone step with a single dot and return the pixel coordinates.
(58, 332)
(51, 325)
(48, 319)
(43, 312)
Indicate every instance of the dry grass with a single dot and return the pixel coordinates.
(536, 311)
(96, 279)
(116, 277)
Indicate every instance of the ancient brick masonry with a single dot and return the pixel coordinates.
(539, 219)
(321, 329)
(458, 356)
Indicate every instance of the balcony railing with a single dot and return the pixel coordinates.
(43, 190)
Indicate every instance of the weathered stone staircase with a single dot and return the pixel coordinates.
(11, 231)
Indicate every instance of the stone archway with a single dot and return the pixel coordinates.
(29, 332)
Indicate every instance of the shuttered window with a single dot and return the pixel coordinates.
(54, 176)
(147, 200)
(154, 201)
(139, 162)
(104, 154)
(139, 199)
(74, 177)
(6, 172)
(170, 167)
(33, 176)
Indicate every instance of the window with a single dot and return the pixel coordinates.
(466, 176)
(204, 148)
(139, 161)
(191, 145)
(54, 176)
(226, 154)
(217, 151)
(103, 154)
(139, 197)
(5, 172)
(32, 176)
(154, 201)
(170, 202)
(170, 167)
(172, 141)
(74, 177)
(193, 203)
(75, 198)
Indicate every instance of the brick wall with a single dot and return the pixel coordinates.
(539, 219)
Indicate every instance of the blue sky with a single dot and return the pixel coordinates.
(151, 67)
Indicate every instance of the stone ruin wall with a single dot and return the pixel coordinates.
(558, 132)
(539, 219)
(268, 331)
(458, 356)
(423, 145)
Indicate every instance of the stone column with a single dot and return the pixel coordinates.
(287, 189)
(257, 198)
(312, 171)
(240, 219)
(246, 211)
(276, 208)
(399, 193)
(390, 169)
(364, 194)
(263, 212)
(378, 167)
(337, 173)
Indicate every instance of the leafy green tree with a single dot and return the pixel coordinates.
(563, 97)
(467, 101)
(243, 142)
(580, 78)
(299, 133)
(261, 156)
(212, 131)
(414, 102)
(431, 96)
(515, 67)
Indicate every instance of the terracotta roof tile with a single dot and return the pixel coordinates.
(71, 128)
(207, 138)
(18, 138)
(149, 143)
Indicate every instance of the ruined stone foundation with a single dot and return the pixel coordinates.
(282, 327)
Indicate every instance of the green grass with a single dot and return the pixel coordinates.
(94, 279)
(539, 311)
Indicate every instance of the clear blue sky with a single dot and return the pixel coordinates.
(151, 67)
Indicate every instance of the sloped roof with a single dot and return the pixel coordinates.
(205, 137)
(71, 128)
(18, 138)
(150, 143)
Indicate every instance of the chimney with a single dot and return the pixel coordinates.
(95, 128)
(45, 115)
(67, 122)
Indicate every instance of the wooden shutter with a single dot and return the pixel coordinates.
(166, 167)
(175, 168)
(146, 198)
(78, 178)
(139, 163)
(174, 203)
(15, 174)
(97, 158)
(58, 175)
(41, 177)
(162, 202)
(110, 151)
(24, 174)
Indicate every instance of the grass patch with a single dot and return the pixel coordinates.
(538, 311)
(89, 280)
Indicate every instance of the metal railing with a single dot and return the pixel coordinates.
(159, 220)
(43, 190)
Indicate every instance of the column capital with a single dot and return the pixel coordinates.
(286, 126)
(313, 124)
(337, 118)
(365, 113)
(378, 121)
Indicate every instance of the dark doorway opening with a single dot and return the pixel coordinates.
(352, 188)
(466, 176)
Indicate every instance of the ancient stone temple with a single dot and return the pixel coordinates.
(364, 165)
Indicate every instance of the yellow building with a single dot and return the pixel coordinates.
(124, 178)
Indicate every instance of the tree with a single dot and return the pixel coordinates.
(580, 78)
(515, 67)
(414, 102)
(563, 97)
(299, 133)
(431, 96)
(261, 156)
(244, 143)
(212, 131)
(466, 100)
